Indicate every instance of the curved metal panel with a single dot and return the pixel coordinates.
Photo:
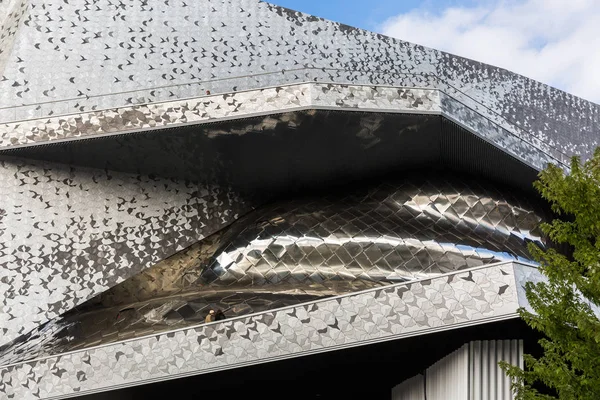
(390, 233)
(306, 248)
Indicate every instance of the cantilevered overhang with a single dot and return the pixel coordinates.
(469, 297)
(473, 117)
(128, 187)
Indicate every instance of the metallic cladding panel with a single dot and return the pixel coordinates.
(469, 373)
(487, 380)
(393, 232)
(410, 389)
(68, 233)
(476, 296)
(448, 379)
(58, 58)
(141, 53)
(12, 13)
(303, 249)
(307, 97)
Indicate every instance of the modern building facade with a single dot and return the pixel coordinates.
(330, 189)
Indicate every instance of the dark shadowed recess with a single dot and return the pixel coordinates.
(364, 372)
(295, 151)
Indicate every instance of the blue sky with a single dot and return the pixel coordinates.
(553, 41)
(366, 14)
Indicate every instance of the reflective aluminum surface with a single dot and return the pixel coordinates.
(304, 248)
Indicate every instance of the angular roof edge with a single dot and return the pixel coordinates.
(67, 59)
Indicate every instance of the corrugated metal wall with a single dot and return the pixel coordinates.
(462, 151)
(448, 379)
(469, 373)
(488, 381)
(410, 389)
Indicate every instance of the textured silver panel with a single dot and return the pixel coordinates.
(69, 58)
(173, 114)
(303, 249)
(448, 379)
(513, 140)
(11, 15)
(487, 381)
(396, 231)
(68, 233)
(526, 275)
(217, 107)
(535, 276)
(410, 389)
(464, 297)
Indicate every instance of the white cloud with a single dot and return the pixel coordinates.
(554, 41)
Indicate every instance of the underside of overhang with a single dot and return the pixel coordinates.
(294, 151)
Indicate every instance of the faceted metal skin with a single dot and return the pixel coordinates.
(62, 58)
(68, 233)
(231, 168)
(476, 296)
(70, 71)
(303, 249)
(389, 234)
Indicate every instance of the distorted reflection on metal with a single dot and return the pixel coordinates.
(387, 234)
(303, 249)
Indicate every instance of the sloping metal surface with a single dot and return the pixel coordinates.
(487, 381)
(67, 58)
(450, 301)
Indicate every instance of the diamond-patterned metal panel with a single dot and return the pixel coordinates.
(302, 249)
